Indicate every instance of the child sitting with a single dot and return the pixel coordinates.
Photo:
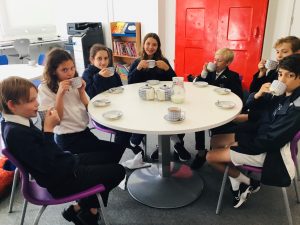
(262, 143)
(61, 172)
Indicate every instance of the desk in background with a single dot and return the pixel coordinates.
(21, 70)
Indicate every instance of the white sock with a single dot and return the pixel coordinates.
(234, 183)
(243, 179)
(175, 139)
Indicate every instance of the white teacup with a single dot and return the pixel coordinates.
(42, 111)
(178, 79)
(31, 62)
(211, 67)
(277, 88)
(151, 63)
(174, 113)
(76, 82)
(271, 64)
(111, 70)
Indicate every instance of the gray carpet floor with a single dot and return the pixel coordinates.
(262, 208)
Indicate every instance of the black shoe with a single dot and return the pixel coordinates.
(154, 155)
(183, 154)
(236, 197)
(70, 215)
(245, 191)
(136, 149)
(87, 218)
(255, 184)
(198, 161)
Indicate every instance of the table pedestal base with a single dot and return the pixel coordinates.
(180, 189)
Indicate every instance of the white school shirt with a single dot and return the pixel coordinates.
(75, 117)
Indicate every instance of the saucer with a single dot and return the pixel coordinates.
(116, 90)
(112, 114)
(201, 84)
(152, 82)
(222, 91)
(225, 104)
(166, 117)
(101, 102)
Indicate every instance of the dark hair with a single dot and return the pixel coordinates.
(293, 40)
(53, 59)
(291, 63)
(16, 89)
(99, 47)
(158, 54)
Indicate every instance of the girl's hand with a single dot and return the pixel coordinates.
(82, 88)
(51, 120)
(162, 65)
(105, 72)
(63, 87)
(263, 90)
(262, 68)
(142, 65)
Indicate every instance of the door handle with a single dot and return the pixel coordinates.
(256, 32)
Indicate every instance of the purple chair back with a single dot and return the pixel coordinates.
(38, 195)
(103, 129)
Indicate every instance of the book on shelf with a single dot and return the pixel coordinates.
(124, 48)
(119, 27)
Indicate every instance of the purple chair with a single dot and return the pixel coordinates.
(294, 151)
(38, 195)
(103, 129)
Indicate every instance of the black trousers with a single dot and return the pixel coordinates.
(94, 168)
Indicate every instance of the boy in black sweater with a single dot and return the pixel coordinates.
(62, 173)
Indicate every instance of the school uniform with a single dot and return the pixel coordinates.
(73, 134)
(62, 173)
(258, 82)
(269, 134)
(96, 83)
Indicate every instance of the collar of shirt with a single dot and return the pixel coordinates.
(218, 74)
(16, 119)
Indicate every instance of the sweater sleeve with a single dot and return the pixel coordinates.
(134, 75)
(88, 78)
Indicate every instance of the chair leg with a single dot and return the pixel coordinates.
(37, 219)
(287, 206)
(222, 190)
(296, 189)
(297, 169)
(102, 209)
(23, 211)
(144, 142)
(110, 137)
(13, 190)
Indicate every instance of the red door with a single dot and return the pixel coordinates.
(236, 24)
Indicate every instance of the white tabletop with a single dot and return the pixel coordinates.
(140, 116)
(21, 70)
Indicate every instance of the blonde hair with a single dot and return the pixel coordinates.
(15, 89)
(293, 40)
(226, 53)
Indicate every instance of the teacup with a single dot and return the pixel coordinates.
(178, 79)
(31, 62)
(277, 88)
(42, 111)
(76, 82)
(211, 67)
(174, 113)
(271, 64)
(111, 70)
(151, 63)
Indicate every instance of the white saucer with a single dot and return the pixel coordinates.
(225, 104)
(101, 102)
(200, 84)
(222, 91)
(152, 82)
(112, 114)
(166, 117)
(116, 90)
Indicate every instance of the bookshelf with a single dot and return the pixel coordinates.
(126, 44)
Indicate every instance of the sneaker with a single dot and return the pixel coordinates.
(198, 161)
(255, 184)
(136, 149)
(87, 218)
(70, 215)
(183, 154)
(245, 191)
(236, 197)
(154, 155)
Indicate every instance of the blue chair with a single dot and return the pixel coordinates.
(41, 59)
(38, 195)
(3, 60)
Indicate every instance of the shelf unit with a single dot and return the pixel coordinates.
(126, 42)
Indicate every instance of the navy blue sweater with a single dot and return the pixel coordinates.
(96, 84)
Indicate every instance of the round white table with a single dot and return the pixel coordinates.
(21, 70)
(167, 184)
